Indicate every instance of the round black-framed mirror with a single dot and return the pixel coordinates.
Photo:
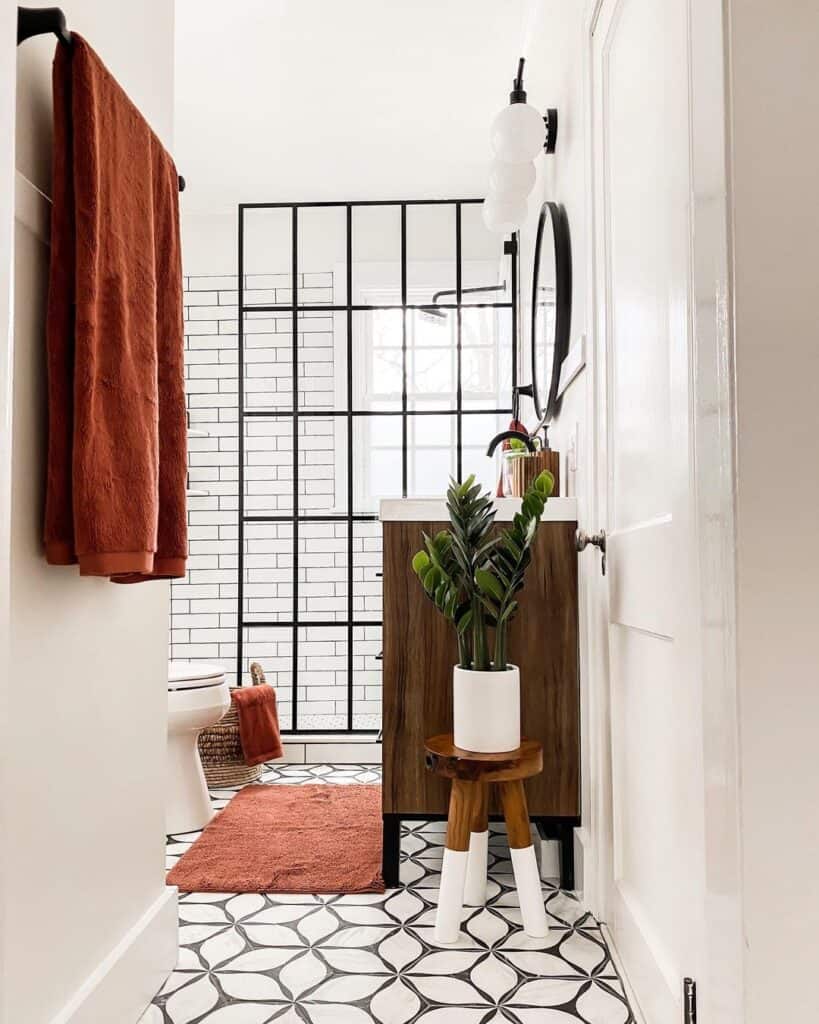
(551, 308)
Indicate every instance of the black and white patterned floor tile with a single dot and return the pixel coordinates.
(258, 959)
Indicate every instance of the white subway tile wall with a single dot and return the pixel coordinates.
(204, 605)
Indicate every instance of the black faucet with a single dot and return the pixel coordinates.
(505, 435)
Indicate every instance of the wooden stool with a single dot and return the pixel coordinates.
(463, 873)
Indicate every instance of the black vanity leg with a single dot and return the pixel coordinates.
(565, 836)
(392, 850)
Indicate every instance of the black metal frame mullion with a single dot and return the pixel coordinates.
(350, 483)
(459, 400)
(240, 562)
(359, 202)
(324, 413)
(322, 623)
(295, 413)
(515, 309)
(294, 681)
(404, 420)
(371, 306)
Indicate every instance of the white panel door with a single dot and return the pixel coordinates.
(648, 623)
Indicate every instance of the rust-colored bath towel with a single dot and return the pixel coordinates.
(289, 839)
(117, 454)
(258, 723)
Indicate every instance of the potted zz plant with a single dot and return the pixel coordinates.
(473, 575)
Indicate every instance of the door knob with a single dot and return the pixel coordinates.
(597, 540)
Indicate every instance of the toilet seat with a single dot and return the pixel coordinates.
(194, 675)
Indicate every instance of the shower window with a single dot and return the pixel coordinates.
(377, 356)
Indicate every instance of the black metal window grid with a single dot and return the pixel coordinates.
(296, 518)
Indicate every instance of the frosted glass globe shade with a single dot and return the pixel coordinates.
(512, 181)
(503, 216)
(517, 133)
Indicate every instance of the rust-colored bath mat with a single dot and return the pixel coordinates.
(289, 839)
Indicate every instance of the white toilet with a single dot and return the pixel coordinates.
(198, 696)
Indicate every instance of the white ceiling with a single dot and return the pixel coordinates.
(280, 100)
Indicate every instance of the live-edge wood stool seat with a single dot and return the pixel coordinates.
(463, 872)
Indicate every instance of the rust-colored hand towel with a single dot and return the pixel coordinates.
(117, 454)
(258, 723)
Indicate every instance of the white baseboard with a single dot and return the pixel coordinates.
(647, 958)
(121, 987)
(637, 1013)
(330, 749)
(584, 870)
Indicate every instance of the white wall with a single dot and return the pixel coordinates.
(88, 928)
(7, 37)
(321, 99)
(775, 167)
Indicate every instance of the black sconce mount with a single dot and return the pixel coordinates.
(518, 95)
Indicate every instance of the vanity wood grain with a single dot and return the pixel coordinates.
(420, 650)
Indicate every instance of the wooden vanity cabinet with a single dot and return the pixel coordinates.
(419, 652)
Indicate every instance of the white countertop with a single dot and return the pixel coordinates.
(411, 510)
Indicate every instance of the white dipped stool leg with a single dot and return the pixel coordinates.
(476, 868)
(530, 894)
(451, 896)
(456, 856)
(524, 861)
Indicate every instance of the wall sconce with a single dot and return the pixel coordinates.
(517, 135)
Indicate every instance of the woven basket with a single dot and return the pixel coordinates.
(220, 747)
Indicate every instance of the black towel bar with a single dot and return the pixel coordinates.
(40, 21)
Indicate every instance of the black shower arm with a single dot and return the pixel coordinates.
(507, 435)
(468, 291)
(42, 21)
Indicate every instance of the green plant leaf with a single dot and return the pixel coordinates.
(464, 622)
(544, 482)
(465, 486)
(500, 571)
(533, 505)
(420, 561)
(511, 546)
(484, 550)
(489, 584)
(432, 579)
(508, 611)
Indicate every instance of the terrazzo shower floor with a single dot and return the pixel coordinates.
(258, 959)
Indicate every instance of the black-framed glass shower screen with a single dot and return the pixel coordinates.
(377, 357)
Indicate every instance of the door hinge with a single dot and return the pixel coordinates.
(689, 1001)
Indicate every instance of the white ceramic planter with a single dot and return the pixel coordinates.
(486, 709)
